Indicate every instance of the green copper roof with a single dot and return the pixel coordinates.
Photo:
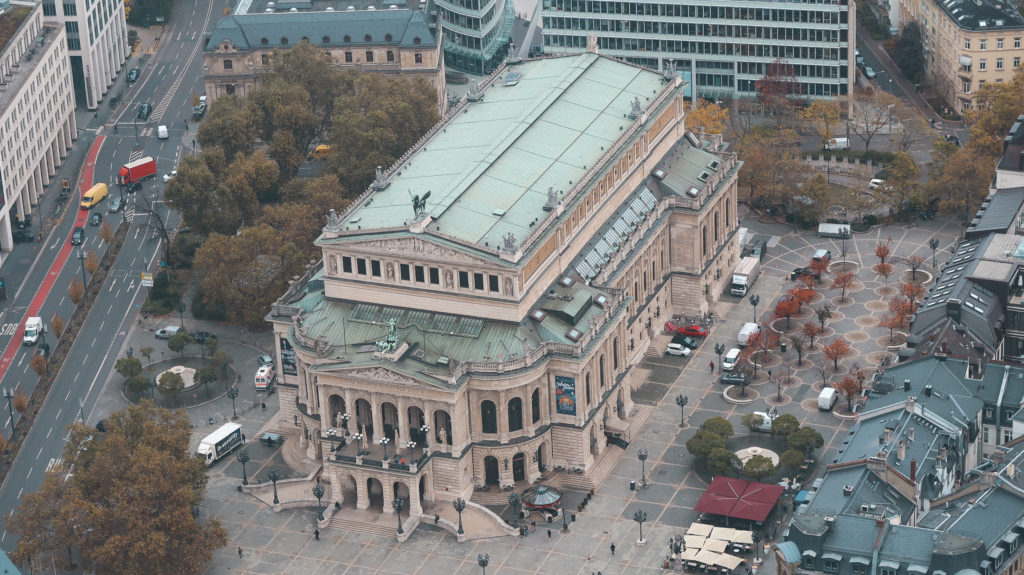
(489, 168)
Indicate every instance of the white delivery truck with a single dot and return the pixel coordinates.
(219, 443)
(833, 230)
(748, 330)
(33, 329)
(744, 276)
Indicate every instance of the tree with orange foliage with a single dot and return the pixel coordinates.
(819, 266)
(911, 291)
(843, 282)
(807, 280)
(885, 270)
(787, 308)
(891, 321)
(835, 350)
(914, 263)
(902, 307)
(811, 330)
(802, 294)
(849, 387)
(882, 251)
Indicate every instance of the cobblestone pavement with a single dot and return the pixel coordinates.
(284, 543)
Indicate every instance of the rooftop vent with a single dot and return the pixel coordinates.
(693, 192)
(906, 385)
(847, 490)
(601, 300)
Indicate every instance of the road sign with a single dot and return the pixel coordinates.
(147, 279)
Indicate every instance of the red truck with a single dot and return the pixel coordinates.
(134, 172)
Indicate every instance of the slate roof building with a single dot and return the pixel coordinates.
(909, 491)
(491, 295)
(381, 37)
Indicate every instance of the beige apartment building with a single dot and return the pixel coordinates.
(375, 38)
(37, 121)
(967, 43)
(490, 297)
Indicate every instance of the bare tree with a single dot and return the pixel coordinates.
(144, 206)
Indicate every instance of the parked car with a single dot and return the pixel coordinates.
(77, 236)
(797, 272)
(677, 349)
(735, 378)
(170, 176)
(133, 75)
(116, 205)
(875, 183)
(860, 61)
(953, 138)
(21, 236)
(202, 336)
(730, 359)
(693, 331)
(265, 359)
(95, 219)
(145, 110)
(869, 72)
(690, 343)
(167, 332)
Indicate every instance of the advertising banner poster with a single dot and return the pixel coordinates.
(565, 395)
(288, 366)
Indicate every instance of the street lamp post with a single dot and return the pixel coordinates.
(273, 475)
(332, 433)
(9, 395)
(384, 441)
(757, 545)
(397, 504)
(459, 505)
(81, 260)
(844, 233)
(933, 244)
(754, 300)
(681, 401)
(318, 492)
(641, 454)
(181, 314)
(243, 458)
(425, 430)
(482, 560)
(233, 393)
(411, 445)
(640, 516)
(719, 350)
(513, 500)
(565, 523)
(358, 438)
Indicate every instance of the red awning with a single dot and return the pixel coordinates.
(739, 498)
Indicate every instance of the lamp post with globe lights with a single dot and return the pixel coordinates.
(273, 475)
(425, 430)
(318, 492)
(513, 500)
(641, 454)
(681, 401)
(754, 300)
(332, 433)
(482, 560)
(243, 458)
(384, 441)
(640, 517)
(397, 504)
(460, 506)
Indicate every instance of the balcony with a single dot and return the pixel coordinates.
(349, 450)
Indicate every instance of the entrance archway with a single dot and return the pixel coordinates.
(364, 419)
(389, 419)
(491, 473)
(375, 493)
(541, 462)
(416, 420)
(401, 491)
(519, 467)
(426, 493)
(336, 406)
(349, 494)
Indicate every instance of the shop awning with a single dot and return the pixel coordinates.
(743, 537)
(689, 555)
(728, 561)
(715, 545)
(699, 529)
(739, 498)
(965, 61)
(722, 533)
(810, 553)
(706, 557)
(694, 541)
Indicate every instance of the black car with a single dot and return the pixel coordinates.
(95, 219)
(133, 74)
(797, 272)
(953, 138)
(21, 236)
(202, 336)
(145, 109)
(690, 342)
(77, 236)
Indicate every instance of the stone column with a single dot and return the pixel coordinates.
(415, 507)
(403, 424)
(362, 497)
(378, 424)
(389, 494)
(501, 414)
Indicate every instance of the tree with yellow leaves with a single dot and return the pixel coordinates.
(707, 116)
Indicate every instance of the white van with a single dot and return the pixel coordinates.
(748, 330)
(161, 132)
(33, 329)
(838, 144)
(730, 359)
(265, 377)
(766, 422)
(827, 398)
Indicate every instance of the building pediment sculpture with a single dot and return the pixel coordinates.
(407, 247)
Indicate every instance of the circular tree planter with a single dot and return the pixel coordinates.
(842, 266)
(732, 395)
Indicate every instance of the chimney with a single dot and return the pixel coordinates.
(906, 385)
(942, 452)
(913, 471)
(888, 435)
(909, 404)
(901, 450)
(910, 433)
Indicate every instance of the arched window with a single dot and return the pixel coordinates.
(515, 414)
(704, 241)
(489, 417)
(535, 405)
(716, 227)
(588, 394)
(601, 372)
(615, 355)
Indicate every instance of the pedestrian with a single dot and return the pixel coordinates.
(613, 549)
(264, 406)
(549, 534)
(239, 552)
(437, 517)
(316, 533)
(711, 364)
(243, 438)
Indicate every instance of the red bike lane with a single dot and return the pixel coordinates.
(85, 179)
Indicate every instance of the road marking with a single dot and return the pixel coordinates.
(58, 412)
(53, 462)
(68, 395)
(48, 433)
(9, 329)
(40, 453)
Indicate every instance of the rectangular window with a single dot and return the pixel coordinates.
(435, 276)
(492, 283)
(1016, 42)
(346, 264)
(227, 64)
(391, 56)
(988, 435)
(885, 571)
(419, 58)
(999, 63)
(375, 268)
(419, 274)
(464, 280)
(859, 569)
(361, 266)
(983, 44)
(1007, 435)
(348, 57)
(404, 270)
(999, 43)
(478, 282)
(369, 56)
(967, 43)
(1016, 62)
(265, 59)
(982, 64)
(830, 566)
